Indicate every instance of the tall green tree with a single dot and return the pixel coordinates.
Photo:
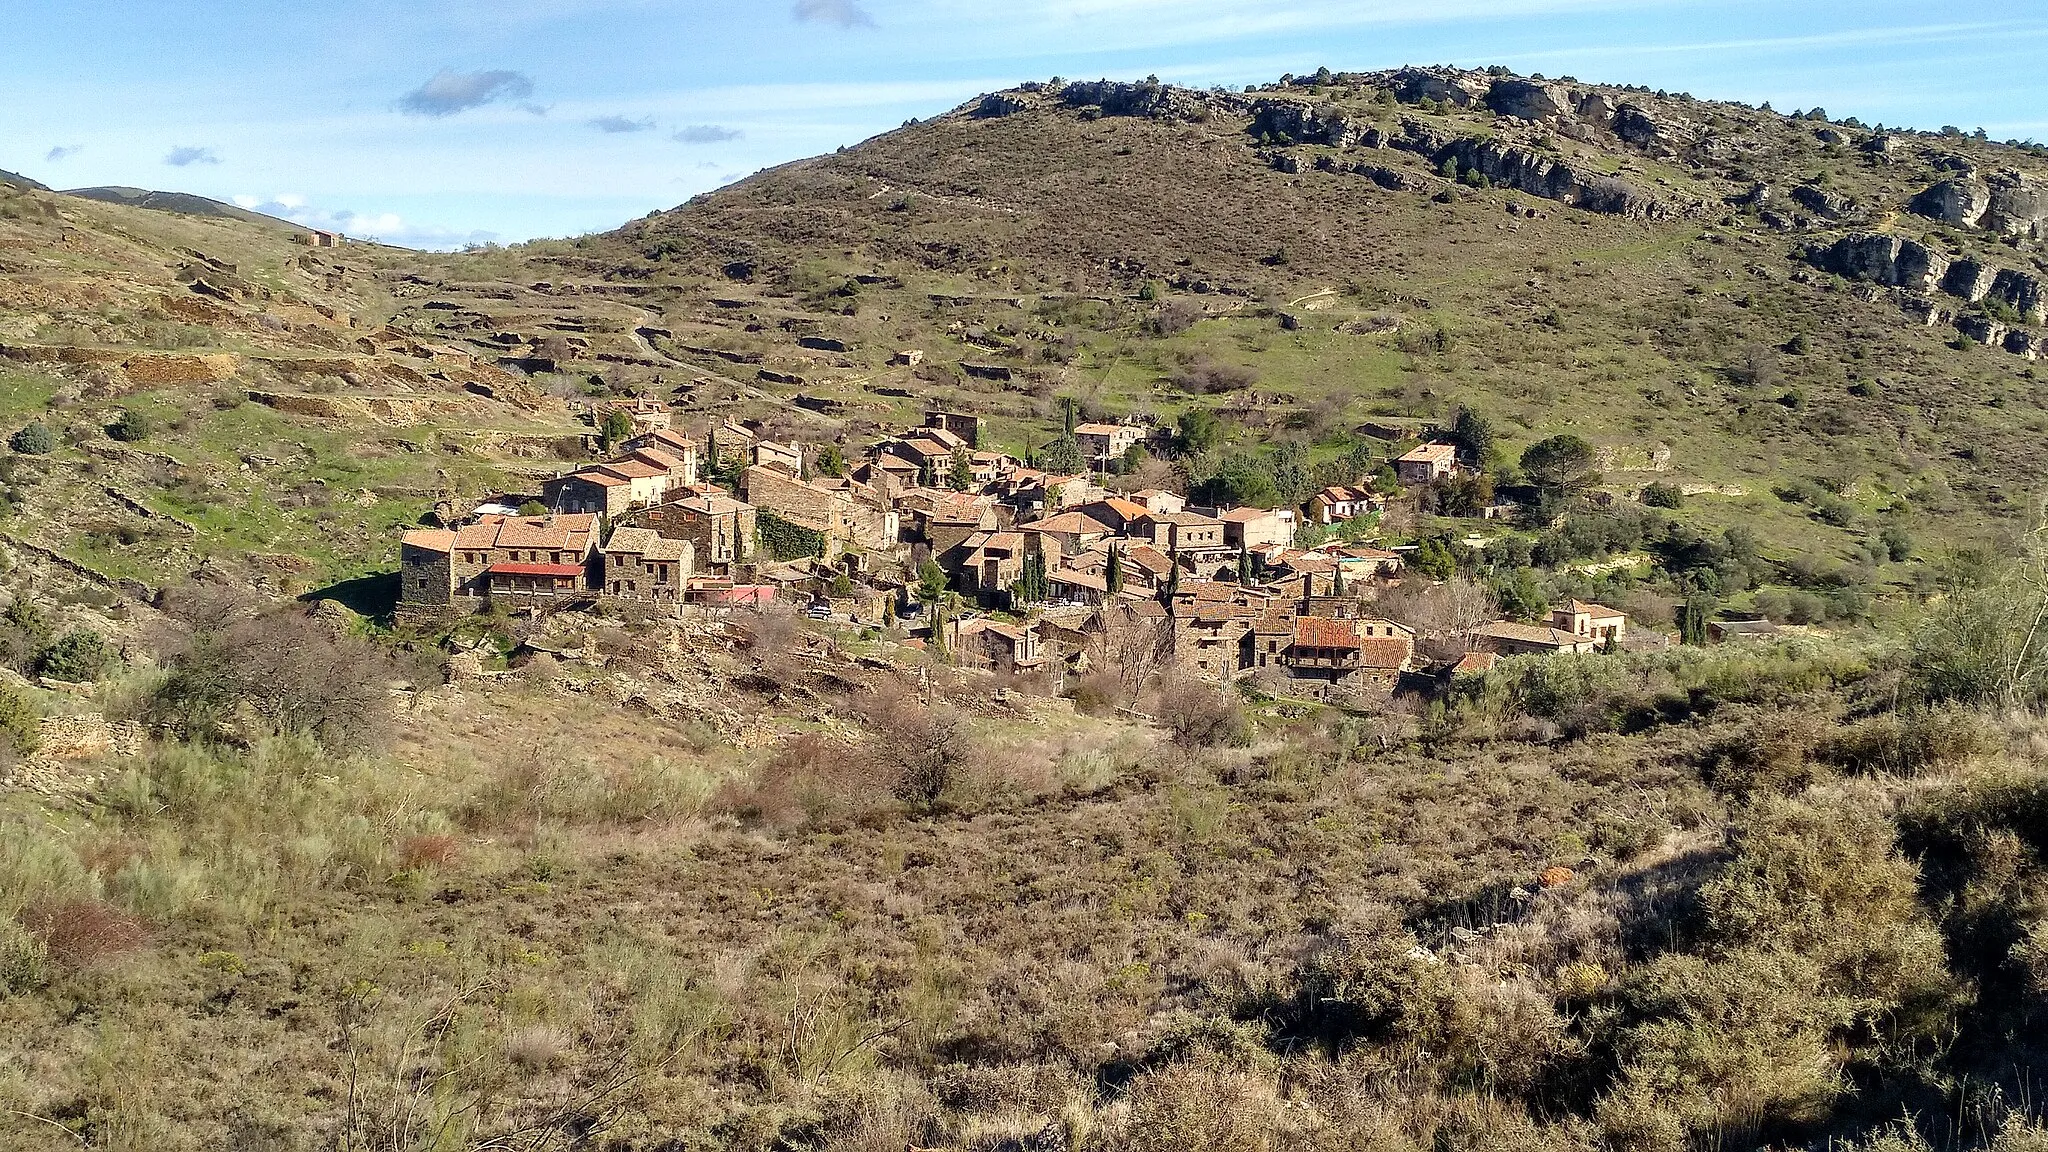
(1560, 465)
(962, 475)
(1062, 457)
(1473, 435)
(1113, 571)
(618, 427)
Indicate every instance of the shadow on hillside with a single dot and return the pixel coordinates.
(373, 596)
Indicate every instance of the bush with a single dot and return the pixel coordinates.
(33, 440)
(1202, 715)
(1663, 495)
(130, 426)
(76, 656)
(276, 666)
(918, 748)
(82, 933)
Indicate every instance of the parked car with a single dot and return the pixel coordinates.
(819, 611)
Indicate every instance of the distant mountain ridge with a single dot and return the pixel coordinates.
(182, 202)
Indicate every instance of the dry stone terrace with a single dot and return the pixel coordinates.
(1002, 565)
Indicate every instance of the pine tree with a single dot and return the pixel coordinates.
(1113, 575)
(1244, 565)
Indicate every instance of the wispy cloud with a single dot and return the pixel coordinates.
(706, 134)
(619, 124)
(61, 151)
(449, 92)
(844, 13)
(387, 227)
(185, 155)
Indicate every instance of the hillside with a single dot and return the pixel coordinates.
(283, 869)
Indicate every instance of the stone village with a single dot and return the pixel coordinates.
(976, 555)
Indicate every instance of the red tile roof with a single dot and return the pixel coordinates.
(569, 570)
(429, 539)
(1385, 652)
(1430, 453)
(1323, 632)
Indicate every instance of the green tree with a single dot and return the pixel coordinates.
(1113, 571)
(1062, 457)
(18, 721)
(1660, 494)
(33, 439)
(831, 461)
(1244, 565)
(1241, 479)
(1199, 430)
(533, 508)
(1520, 596)
(931, 582)
(961, 477)
(1693, 616)
(618, 426)
(1473, 435)
(1561, 465)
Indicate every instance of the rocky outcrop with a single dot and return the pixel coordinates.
(2007, 202)
(1528, 170)
(1392, 179)
(1296, 122)
(1148, 99)
(997, 104)
(1822, 202)
(1443, 85)
(1876, 258)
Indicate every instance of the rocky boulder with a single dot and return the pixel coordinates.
(1958, 201)
(1447, 86)
(1526, 99)
(1876, 258)
(1300, 123)
(1822, 202)
(2007, 202)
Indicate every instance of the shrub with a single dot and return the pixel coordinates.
(17, 721)
(289, 672)
(33, 439)
(130, 426)
(1202, 715)
(1663, 495)
(82, 933)
(75, 656)
(920, 749)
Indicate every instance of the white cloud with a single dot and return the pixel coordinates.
(706, 134)
(448, 92)
(249, 202)
(844, 13)
(62, 151)
(619, 124)
(185, 155)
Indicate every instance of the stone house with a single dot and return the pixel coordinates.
(642, 564)
(720, 529)
(674, 444)
(985, 565)
(1181, 532)
(1341, 502)
(848, 515)
(1349, 654)
(1117, 512)
(1103, 445)
(967, 429)
(983, 643)
(1597, 621)
(647, 413)
(1255, 528)
(516, 558)
(1159, 500)
(1426, 464)
(1069, 533)
(773, 453)
(1511, 639)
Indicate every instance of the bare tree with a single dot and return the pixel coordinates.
(1135, 646)
(1445, 616)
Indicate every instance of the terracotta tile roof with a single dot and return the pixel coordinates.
(1078, 579)
(1430, 453)
(603, 479)
(1247, 515)
(1599, 610)
(1531, 634)
(713, 505)
(429, 539)
(1100, 429)
(1323, 632)
(1147, 557)
(1125, 508)
(1385, 652)
(569, 570)
(1344, 493)
(1079, 523)
(1184, 519)
(633, 469)
(1473, 662)
(659, 459)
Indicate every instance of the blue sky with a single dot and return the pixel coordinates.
(440, 122)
